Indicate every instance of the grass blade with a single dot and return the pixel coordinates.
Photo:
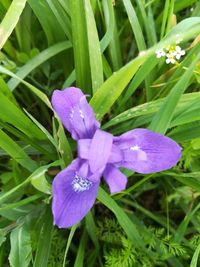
(123, 219)
(10, 20)
(96, 66)
(163, 117)
(37, 61)
(16, 152)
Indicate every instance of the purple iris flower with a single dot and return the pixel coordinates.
(101, 154)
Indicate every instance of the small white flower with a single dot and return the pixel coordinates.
(179, 52)
(160, 53)
(170, 57)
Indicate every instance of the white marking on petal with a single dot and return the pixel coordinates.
(80, 184)
(81, 113)
(141, 155)
(71, 113)
(135, 148)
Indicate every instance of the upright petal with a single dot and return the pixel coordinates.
(75, 112)
(100, 149)
(115, 179)
(147, 152)
(73, 195)
(84, 145)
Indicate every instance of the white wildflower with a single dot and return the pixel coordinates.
(160, 53)
(179, 52)
(170, 57)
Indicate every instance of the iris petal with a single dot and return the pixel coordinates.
(115, 156)
(100, 149)
(73, 195)
(115, 179)
(147, 152)
(75, 113)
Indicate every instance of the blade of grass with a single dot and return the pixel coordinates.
(195, 257)
(80, 45)
(45, 236)
(112, 88)
(61, 17)
(96, 66)
(110, 25)
(81, 251)
(10, 20)
(163, 117)
(151, 108)
(37, 61)
(16, 152)
(114, 49)
(180, 232)
(69, 240)
(12, 114)
(123, 219)
(135, 25)
(36, 91)
(21, 251)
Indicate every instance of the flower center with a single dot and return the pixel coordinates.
(81, 184)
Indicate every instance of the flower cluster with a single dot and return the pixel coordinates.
(172, 53)
(101, 154)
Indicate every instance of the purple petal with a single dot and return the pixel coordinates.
(115, 179)
(115, 156)
(147, 152)
(75, 113)
(100, 149)
(83, 148)
(73, 194)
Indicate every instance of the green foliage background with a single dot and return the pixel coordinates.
(107, 48)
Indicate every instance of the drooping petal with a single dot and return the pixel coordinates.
(75, 113)
(99, 152)
(115, 179)
(147, 152)
(73, 194)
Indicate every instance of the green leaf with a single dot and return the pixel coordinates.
(69, 240)
(135, 25)
(163, 117)
(63, 145)
(190, 179)
(36, 91)
(112, 88)
(20, 253)
(50, 25)
(10, 20)
(10, 113)
(44, 240)
(181, 230)
(36, 61)
(81, 251)
(96, 66)
(195, 257)
(16, 152)
(80, 45)
(38, 178)
(128, 226)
